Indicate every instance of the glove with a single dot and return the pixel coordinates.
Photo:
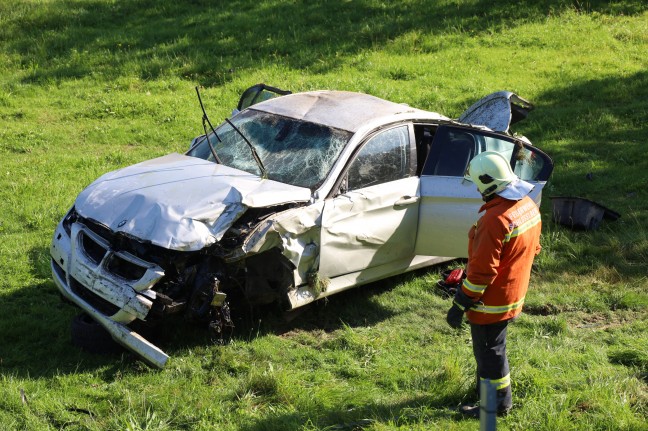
(460, 304)
(455, 316)
(463, 301)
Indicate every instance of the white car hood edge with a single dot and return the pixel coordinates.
(179, 202)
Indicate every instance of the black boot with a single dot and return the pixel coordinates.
(470, 411)
(504, 403)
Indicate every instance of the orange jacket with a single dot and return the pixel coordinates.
(501, 248)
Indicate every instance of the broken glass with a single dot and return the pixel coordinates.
(294, 152)
(453, 148)
(384, 158)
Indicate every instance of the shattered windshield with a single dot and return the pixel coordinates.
(293, 151)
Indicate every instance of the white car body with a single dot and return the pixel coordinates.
(181, 232)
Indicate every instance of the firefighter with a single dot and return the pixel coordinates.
(501, 248)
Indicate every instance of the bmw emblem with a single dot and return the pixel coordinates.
(121, 223)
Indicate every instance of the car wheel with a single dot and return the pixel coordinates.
(92, 337)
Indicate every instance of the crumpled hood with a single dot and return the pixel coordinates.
(179, 202)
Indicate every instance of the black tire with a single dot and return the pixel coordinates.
(92, 337)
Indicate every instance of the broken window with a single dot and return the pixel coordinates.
(524, 161)
(450, 153)
(294, 152)
(386, 157)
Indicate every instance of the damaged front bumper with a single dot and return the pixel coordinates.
(84, 269)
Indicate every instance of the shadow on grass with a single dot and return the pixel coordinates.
(594, 132)
(414, 412)
(602, 123)
(69, 39)
(35, 328)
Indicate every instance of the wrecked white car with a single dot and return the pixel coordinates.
(290, 200)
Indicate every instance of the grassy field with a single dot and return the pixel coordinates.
(88, 86)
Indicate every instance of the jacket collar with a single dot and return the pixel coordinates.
(497, 200)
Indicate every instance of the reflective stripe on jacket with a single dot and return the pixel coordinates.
(501, 248)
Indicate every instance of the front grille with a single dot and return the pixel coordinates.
(92, 249)
(105, 307)
(98, 228)
(125, 268)
(117, 263)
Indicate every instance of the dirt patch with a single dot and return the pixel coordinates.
(606, 320)
(543, 310)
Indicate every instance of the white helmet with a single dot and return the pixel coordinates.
(491, 172)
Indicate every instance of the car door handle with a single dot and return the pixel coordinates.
(406, 200)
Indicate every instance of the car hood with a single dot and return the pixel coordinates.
(179, 202)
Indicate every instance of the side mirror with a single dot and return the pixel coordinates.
(193, 142)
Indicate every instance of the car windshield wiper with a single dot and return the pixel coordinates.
(255, 155)
(205, 120)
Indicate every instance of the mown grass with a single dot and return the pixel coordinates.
(90, 86)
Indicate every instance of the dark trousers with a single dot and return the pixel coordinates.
(489, 348)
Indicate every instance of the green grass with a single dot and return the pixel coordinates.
(90, 86)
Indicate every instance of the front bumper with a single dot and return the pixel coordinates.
(82, 268)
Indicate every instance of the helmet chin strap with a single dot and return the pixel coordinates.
(489, 191)
(489, 197)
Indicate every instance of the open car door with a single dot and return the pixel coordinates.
(449, 201)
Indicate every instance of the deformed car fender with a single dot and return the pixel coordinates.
(296, 232)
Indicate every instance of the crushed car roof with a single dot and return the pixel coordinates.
(343, 110)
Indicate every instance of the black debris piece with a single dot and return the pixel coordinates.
(580, 213)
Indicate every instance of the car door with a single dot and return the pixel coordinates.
(372, 220)
(450, 202)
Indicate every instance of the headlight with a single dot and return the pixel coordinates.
(69, 218)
